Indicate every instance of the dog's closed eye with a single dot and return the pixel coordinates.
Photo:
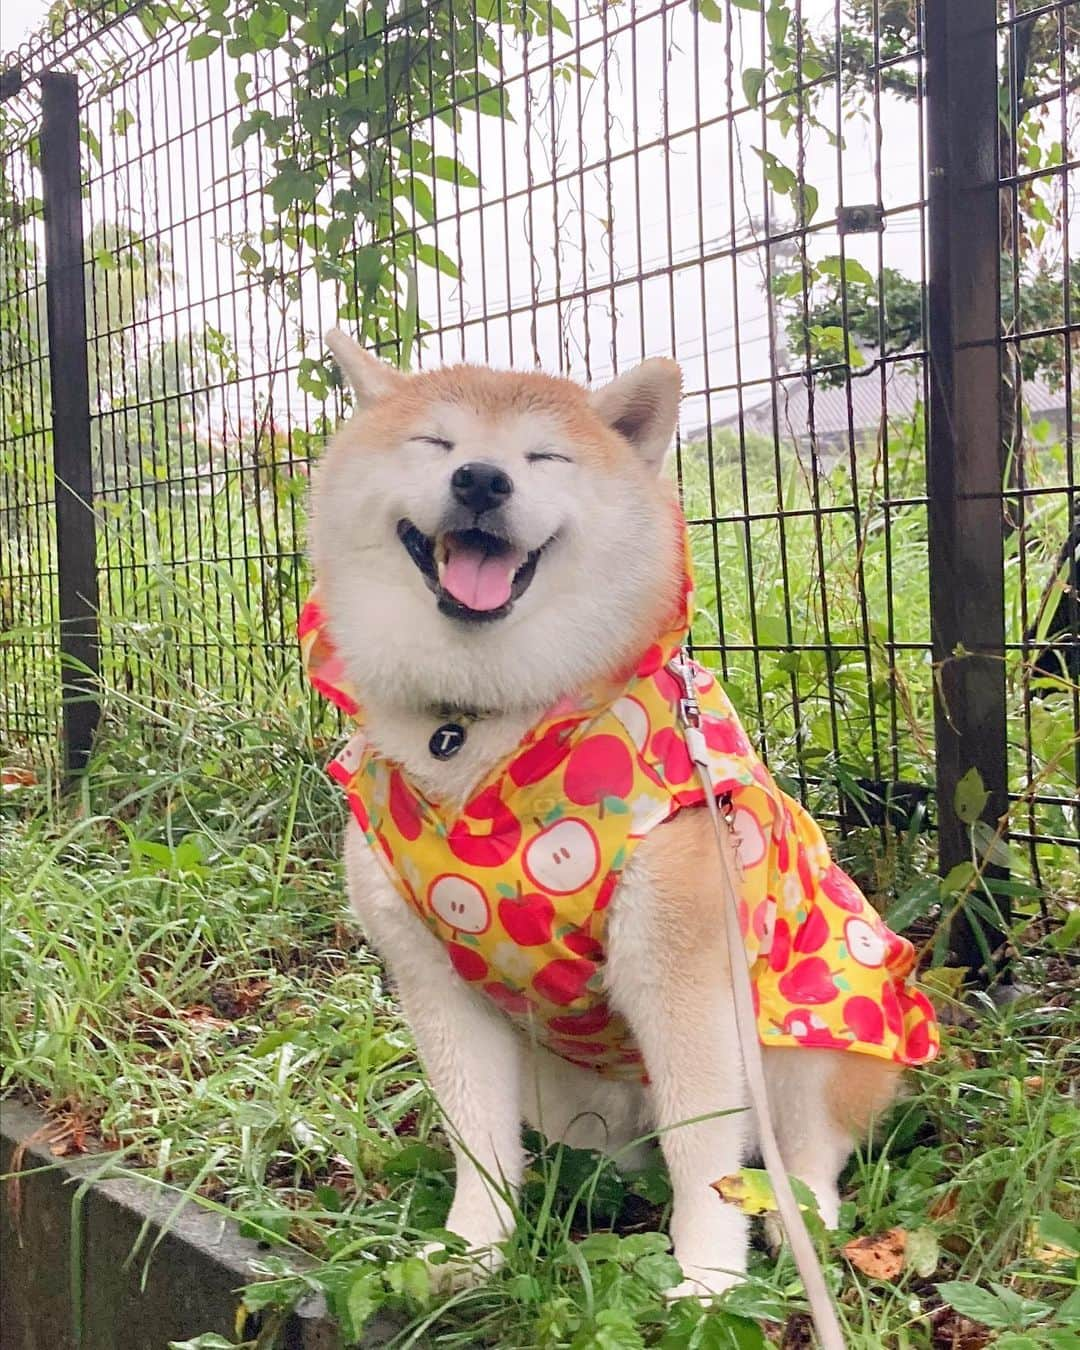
(552, 456)
(440, 441)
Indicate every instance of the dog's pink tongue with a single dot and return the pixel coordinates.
(477, 579)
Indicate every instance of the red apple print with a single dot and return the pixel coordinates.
(743, 911)
(509, 1000)
(492, 847)
(469, 964)
(580, 1049)
(607, 890)
(599, 766)
(670, 749)
(783, 847)
(919, 1047)
(900, 956)
(809, 1029)
(811, 935)
(586, 1023)
(651, 661)
(527, 918)
(806, 874)
(668, 685)
(724, 735)
(403, 808)
(537, 761)
(563, 857)
(459, 903)
(865, 1019)
(581, 944)
(808, 981)
(749, 837)
(914, 1000)
(781, 945)
(865, 942)
(563, 981)
(842, 891)
(764, 921)
(890, 1006)
(634, 719)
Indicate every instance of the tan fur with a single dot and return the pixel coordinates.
(860, 1091)
(682, 854)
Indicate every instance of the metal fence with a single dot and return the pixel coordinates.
(848, 219)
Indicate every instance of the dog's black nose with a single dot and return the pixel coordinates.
(480, 487)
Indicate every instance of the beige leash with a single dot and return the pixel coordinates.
(822, 1310)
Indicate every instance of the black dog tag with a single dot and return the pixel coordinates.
(447, 740)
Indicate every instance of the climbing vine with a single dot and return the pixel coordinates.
(340, 104)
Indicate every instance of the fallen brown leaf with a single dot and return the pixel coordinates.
(944, 1205)
(881, 1257)
(951, 1331)
(11, 779)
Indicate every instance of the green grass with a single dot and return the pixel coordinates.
(181, 985)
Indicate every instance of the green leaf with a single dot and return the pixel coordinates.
(777, 18)
(123, 121)
(1060, 1233)
(970, 797)
(659, 1270)
(241, 85)
(600, 1247)
(914, 903)
(753, 79)
(958, 879)
(365, 1295)
(779, 176)
(990, 845)
(453, 171)
(616, 806)
(846, 269)
(368, 266)
(808, 195)
(978, 1304)
(710, 11)
(209, 1340)
(754, 5)
(411, 1278)
(201, 46)
(1068, 935)
(435, 257)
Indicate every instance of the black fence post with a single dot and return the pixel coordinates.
(965, 462)
(65, 296)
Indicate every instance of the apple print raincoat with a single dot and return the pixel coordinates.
(517, 883)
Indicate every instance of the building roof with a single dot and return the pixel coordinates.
(903, 389)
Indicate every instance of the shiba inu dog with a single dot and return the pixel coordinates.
(500, 575)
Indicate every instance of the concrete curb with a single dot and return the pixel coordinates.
(191, 1284)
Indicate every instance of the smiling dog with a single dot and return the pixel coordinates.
(502, 587)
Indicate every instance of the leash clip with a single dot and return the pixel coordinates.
(689, 708)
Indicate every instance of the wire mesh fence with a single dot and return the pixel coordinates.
(745, 185)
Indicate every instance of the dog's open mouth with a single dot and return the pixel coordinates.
(475, 575)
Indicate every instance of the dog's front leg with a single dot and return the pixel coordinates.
(667, 975)
(469, 1052)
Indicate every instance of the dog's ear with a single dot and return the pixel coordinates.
(371, 379)
(643, 407)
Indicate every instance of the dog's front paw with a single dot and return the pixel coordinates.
(704, 1282)
(454, 1271)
